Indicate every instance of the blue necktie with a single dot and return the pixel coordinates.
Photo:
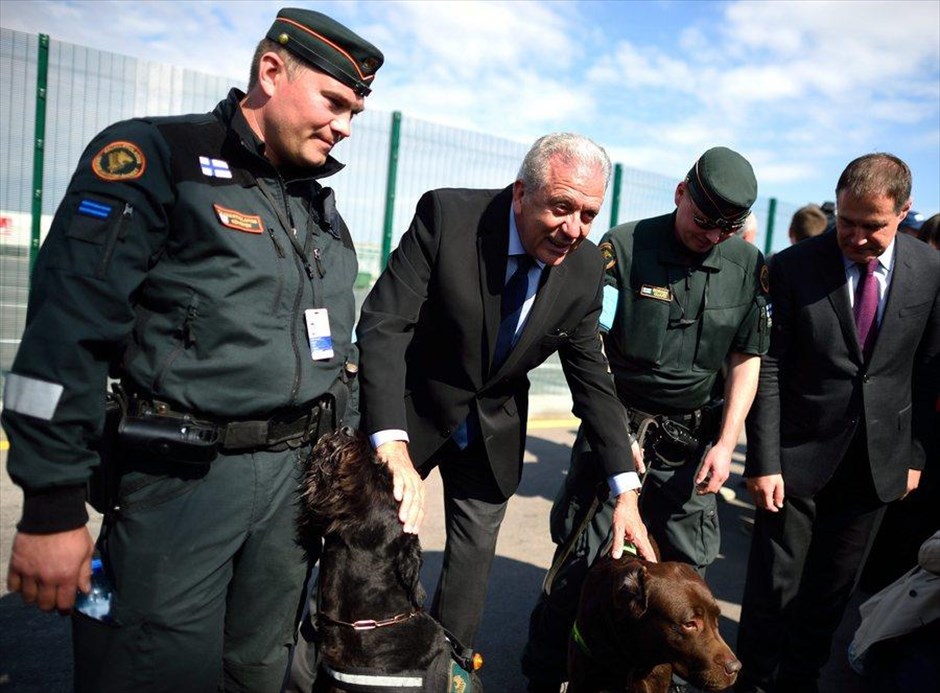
(513, 298)
(514, 294)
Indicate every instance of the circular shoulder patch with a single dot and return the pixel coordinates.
(765, 279)
(607, 250)
(119, 161)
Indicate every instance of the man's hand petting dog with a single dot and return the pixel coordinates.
(370, 627)
(627, 526)
(407, 483)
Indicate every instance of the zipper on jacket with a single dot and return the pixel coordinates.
(280, 269)
(118, 233)
(297, 316)
(316, 258)
(187, 339)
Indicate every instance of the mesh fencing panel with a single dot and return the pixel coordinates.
(88, 89)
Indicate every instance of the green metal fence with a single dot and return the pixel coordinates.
(55, 96)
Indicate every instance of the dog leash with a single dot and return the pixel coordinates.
(589, 515)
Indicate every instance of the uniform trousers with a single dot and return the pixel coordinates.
(803, 565)
(474, 509)
(683, 524)
(207, 575)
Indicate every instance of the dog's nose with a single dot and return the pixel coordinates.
(732, 667)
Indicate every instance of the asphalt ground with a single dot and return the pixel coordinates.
(35, 648)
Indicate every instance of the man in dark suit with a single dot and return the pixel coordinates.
(840, 419)
(436, 386)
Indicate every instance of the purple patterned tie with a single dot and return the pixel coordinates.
(866, 305)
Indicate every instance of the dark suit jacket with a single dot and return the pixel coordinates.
(428, 329)
(815, 388)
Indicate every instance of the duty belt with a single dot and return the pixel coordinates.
(690, 421)
(240, 435)
(691, 429)
(154, 425)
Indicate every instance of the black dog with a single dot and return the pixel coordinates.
(372, 631)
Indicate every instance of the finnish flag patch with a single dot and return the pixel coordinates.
(214, 168)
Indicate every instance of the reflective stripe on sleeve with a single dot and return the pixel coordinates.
(30, 396)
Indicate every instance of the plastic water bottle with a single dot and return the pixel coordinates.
(97, 603)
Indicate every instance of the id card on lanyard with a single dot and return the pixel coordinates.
(318, 333)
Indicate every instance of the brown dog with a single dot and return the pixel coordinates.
(639, 622)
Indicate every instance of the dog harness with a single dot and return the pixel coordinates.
(447, 673)
(444, 675)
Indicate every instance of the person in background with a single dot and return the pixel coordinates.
(930, 232)
(684, 295)
(829, 209)
(895, 646)
(842, 416)
(199, 261)
(912, 224)
(748, 232)
(807, 222)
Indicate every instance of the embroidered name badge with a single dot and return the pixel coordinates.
(230, 218)
(660, 293)
(214, 168)
(119, 161)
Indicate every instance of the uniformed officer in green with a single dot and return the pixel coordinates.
(201, 263)
(683, 295)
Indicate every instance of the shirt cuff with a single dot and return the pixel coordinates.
(621, 483)
(387, 436)
(53, 510)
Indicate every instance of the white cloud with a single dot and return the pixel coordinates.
(799, 85)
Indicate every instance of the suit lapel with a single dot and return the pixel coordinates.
(493, 247)
(832, 266)
(902, 282)
(540, 313)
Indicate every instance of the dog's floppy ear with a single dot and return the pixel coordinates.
(408, 567)
(631, 596)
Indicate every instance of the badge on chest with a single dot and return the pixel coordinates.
(660, 293)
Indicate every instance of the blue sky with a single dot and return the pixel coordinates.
(800, 88)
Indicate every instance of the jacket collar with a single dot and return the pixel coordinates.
(673, 252)
(242, 139)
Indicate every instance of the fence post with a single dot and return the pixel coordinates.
(615, 198)
(771, 214)
(390, 188)
(39, 147)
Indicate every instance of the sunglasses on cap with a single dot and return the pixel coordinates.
(726, 226)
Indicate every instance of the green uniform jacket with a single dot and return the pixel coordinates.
(678, 315)
(170, 264)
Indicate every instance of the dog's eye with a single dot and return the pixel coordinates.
(690, 626)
